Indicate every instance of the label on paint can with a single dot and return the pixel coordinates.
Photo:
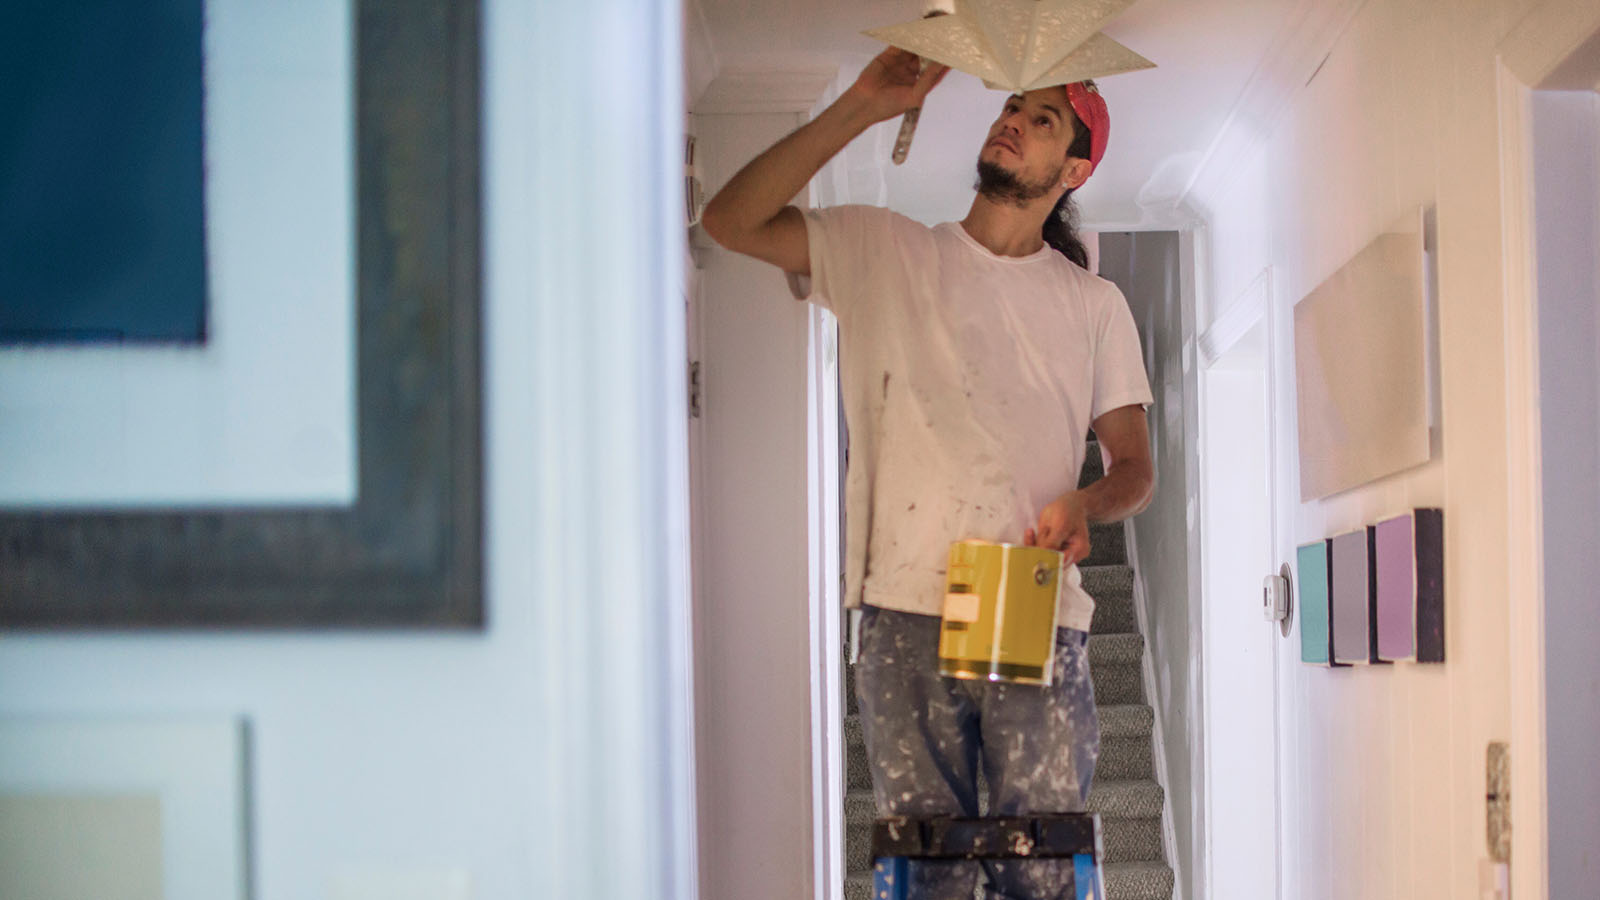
(961, 607)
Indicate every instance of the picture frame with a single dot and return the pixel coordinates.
(193, 771)
(408, 553)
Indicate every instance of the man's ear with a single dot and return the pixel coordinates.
(1075, 172)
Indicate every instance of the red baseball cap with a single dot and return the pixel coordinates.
(1091, 109)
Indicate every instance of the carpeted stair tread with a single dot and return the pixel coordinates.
(857, 775)
(1107, 582)
(1118, 685)
(1116, 648)
(1114, 615)
(1126, 720)
(1137, 881)
(1106, 546)
(1126, 799)
(1125, 759)
(860, 807)
(1132, 840)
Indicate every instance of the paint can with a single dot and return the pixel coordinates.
(1000, 605)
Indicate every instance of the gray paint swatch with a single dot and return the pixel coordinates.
(1350, 609)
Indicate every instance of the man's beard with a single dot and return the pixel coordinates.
(1003, 186)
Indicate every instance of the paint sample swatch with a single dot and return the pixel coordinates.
(1350, 613)
(1311, 563)
(1409, 557)
(1394, 557)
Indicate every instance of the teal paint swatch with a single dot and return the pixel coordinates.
(1312, 565)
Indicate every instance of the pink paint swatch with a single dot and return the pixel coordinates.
(1395, 558)
(1408, 553)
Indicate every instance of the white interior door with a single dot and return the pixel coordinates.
(1566, 167)
(1239, 644)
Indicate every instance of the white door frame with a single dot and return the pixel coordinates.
(1536, 48)
(767, 510)
(1252, 310)
(827, 661)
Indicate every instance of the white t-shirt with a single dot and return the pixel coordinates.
(970, 382)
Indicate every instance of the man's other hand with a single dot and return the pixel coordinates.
(1064, 526)
(894, 82)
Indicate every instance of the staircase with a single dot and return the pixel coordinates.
(1125, 792)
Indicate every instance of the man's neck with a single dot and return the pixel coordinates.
(1006, 229)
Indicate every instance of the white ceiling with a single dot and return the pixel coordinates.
(1163, 120)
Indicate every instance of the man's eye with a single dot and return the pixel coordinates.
(1043, 120)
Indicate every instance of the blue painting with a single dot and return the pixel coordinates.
(102, 213)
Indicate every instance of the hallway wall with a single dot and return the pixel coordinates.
(1383, 777)
(1146, 266)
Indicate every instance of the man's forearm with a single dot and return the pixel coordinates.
(770, 181)
(1124, 491)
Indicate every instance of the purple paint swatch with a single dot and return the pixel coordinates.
(1395, 556)
(1352, 593)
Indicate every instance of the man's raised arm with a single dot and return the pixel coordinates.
(750, 214)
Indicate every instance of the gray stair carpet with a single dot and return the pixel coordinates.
(1125, 792)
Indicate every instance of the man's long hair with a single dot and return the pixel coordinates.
(1061, 226)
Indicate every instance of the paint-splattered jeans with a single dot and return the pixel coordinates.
(926, 735)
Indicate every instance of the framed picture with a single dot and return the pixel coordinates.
(124, 807)
(83, 145)
(408, 553)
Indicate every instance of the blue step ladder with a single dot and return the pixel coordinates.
(898, 840)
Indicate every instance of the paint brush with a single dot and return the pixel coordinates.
(908, 122)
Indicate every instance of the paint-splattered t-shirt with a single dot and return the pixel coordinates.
(970, 383)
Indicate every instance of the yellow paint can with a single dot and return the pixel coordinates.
(1000, 605)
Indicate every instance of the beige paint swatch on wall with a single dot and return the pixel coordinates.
(1361, 366)
(75, 846)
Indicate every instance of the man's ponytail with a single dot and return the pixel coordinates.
(1061, 226)
(1061, 231)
